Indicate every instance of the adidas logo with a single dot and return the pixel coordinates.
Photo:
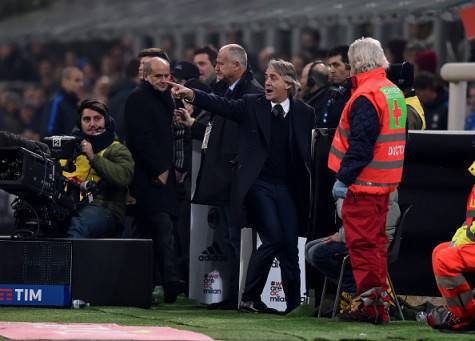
(213, 253)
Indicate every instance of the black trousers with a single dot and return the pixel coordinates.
(276, 218)
(232, 240)
(160, 228)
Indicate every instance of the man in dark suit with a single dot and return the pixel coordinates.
(272, 174)
(148, 117)
(220, 149)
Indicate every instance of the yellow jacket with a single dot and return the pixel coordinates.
(461, 237)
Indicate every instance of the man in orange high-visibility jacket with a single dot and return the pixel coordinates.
(367, 155)
(449, 261)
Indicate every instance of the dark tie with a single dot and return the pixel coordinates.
(278, 111)
(228, 93)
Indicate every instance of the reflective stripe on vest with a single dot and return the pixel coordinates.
(461, 300)
(381, 138)
(372, 164)
(375, 184)
(447, 282)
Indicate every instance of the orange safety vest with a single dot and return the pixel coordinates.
(471, 207)
(383, 174)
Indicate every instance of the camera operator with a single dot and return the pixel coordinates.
(105, 161)
(315, 84)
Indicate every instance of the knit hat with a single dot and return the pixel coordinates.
(185, 70)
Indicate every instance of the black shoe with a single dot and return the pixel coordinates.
(223, 305)
(172, 290)
(257, 307)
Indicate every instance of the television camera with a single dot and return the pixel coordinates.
(32, 171)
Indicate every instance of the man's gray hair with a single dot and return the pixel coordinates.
(147, 68)
(366, 54)
(237, 53)
(286, 70)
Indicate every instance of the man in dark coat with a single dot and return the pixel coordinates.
(148, 117)
(220, 148)
(272, 174)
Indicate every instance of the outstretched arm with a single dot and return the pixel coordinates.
(230, 109)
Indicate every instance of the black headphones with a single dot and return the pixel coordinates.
(311, 81)
(401, 75)
(98, 106)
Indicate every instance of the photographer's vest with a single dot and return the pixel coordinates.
(383, 174)
(84, 171)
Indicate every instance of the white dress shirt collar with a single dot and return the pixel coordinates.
(232, 86)
(285, 106)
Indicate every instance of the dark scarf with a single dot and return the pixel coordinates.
(98, 142)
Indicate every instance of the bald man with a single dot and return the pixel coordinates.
(148, 120)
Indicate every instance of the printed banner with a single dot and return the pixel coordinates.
(35, 295)
(273, 294)
(209, 259)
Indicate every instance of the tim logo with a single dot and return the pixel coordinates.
(213, 253)
(20, 295)
(6, 294)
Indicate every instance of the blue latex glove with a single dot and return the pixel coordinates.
(339, 190)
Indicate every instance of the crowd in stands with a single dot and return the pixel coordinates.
(30, 77)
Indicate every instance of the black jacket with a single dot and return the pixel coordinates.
(117, 97)
(213, 183)
(253, 115)
(328, 113)
(318, 100)
(148, 121)
(60, 115)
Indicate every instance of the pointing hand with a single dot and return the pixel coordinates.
(181, 92)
